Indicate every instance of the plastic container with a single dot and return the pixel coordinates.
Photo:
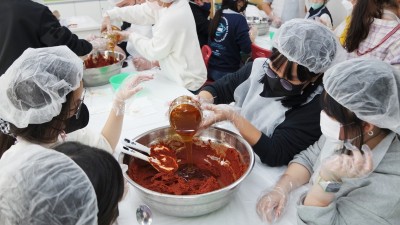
(117, 80)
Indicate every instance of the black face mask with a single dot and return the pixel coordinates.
(273, 86)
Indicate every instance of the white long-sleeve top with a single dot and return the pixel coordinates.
(174, 43)
(84, 136)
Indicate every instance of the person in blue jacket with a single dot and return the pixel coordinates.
(228, 37)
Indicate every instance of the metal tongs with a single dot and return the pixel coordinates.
(160, 157)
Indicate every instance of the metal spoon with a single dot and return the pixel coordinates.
(144, 215)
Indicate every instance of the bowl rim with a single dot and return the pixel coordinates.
(229, 187)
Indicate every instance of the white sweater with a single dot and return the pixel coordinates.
(174, 43)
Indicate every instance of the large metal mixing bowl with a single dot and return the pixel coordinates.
(99, 76)
(192, 205)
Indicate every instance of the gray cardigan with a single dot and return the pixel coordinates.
(371, 200)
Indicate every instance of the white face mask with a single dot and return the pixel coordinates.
(154, 5)
(329, 127)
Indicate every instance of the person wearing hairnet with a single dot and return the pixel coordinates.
(28, 24)
(277, 99)
(43, 186)
(357, 182)
(41, 90)
(174, 45)
(102, 170)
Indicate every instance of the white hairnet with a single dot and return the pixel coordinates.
(42, 186)
(369, 88)
(34, 87)
(309, 44)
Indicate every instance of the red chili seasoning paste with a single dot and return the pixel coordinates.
(163, 159)
(213, 167)
(99, 61)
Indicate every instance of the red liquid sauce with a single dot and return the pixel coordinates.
(211, 170)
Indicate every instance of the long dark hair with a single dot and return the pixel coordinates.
(362, 17)
(104, 173)
(39, 133)
(226, 4)
(303, 74)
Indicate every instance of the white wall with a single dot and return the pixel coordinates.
(337, 10)
(92, 8)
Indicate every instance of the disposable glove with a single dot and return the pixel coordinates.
(127, 89)
(354, 165)
(253, 33)
(106, 24)
(99, 44)
(141, 64)
(272, 202)
(276, 21)
(218, 113)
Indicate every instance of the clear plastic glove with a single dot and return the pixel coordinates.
(253, 33)
(122, 35)
(141, 64)
(106, 25)
(272, 203)
(355, 165)
(276, 21)
(218, 113)
(127, 89)
(99, 44)
(202, 100)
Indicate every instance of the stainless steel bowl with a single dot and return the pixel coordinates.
(99, 76)
(192, 205)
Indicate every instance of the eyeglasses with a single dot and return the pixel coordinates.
(285, 83)
(78, 110)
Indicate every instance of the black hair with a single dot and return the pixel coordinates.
(39, 133)
(362, 17)
(104, 173)
(226, 4)
(303, 74)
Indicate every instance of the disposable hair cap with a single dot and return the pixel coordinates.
(34, 87)
(369, 88)
(309, 44)
(42, 186)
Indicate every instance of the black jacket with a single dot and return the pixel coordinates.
(27, 24)
(202, 23)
